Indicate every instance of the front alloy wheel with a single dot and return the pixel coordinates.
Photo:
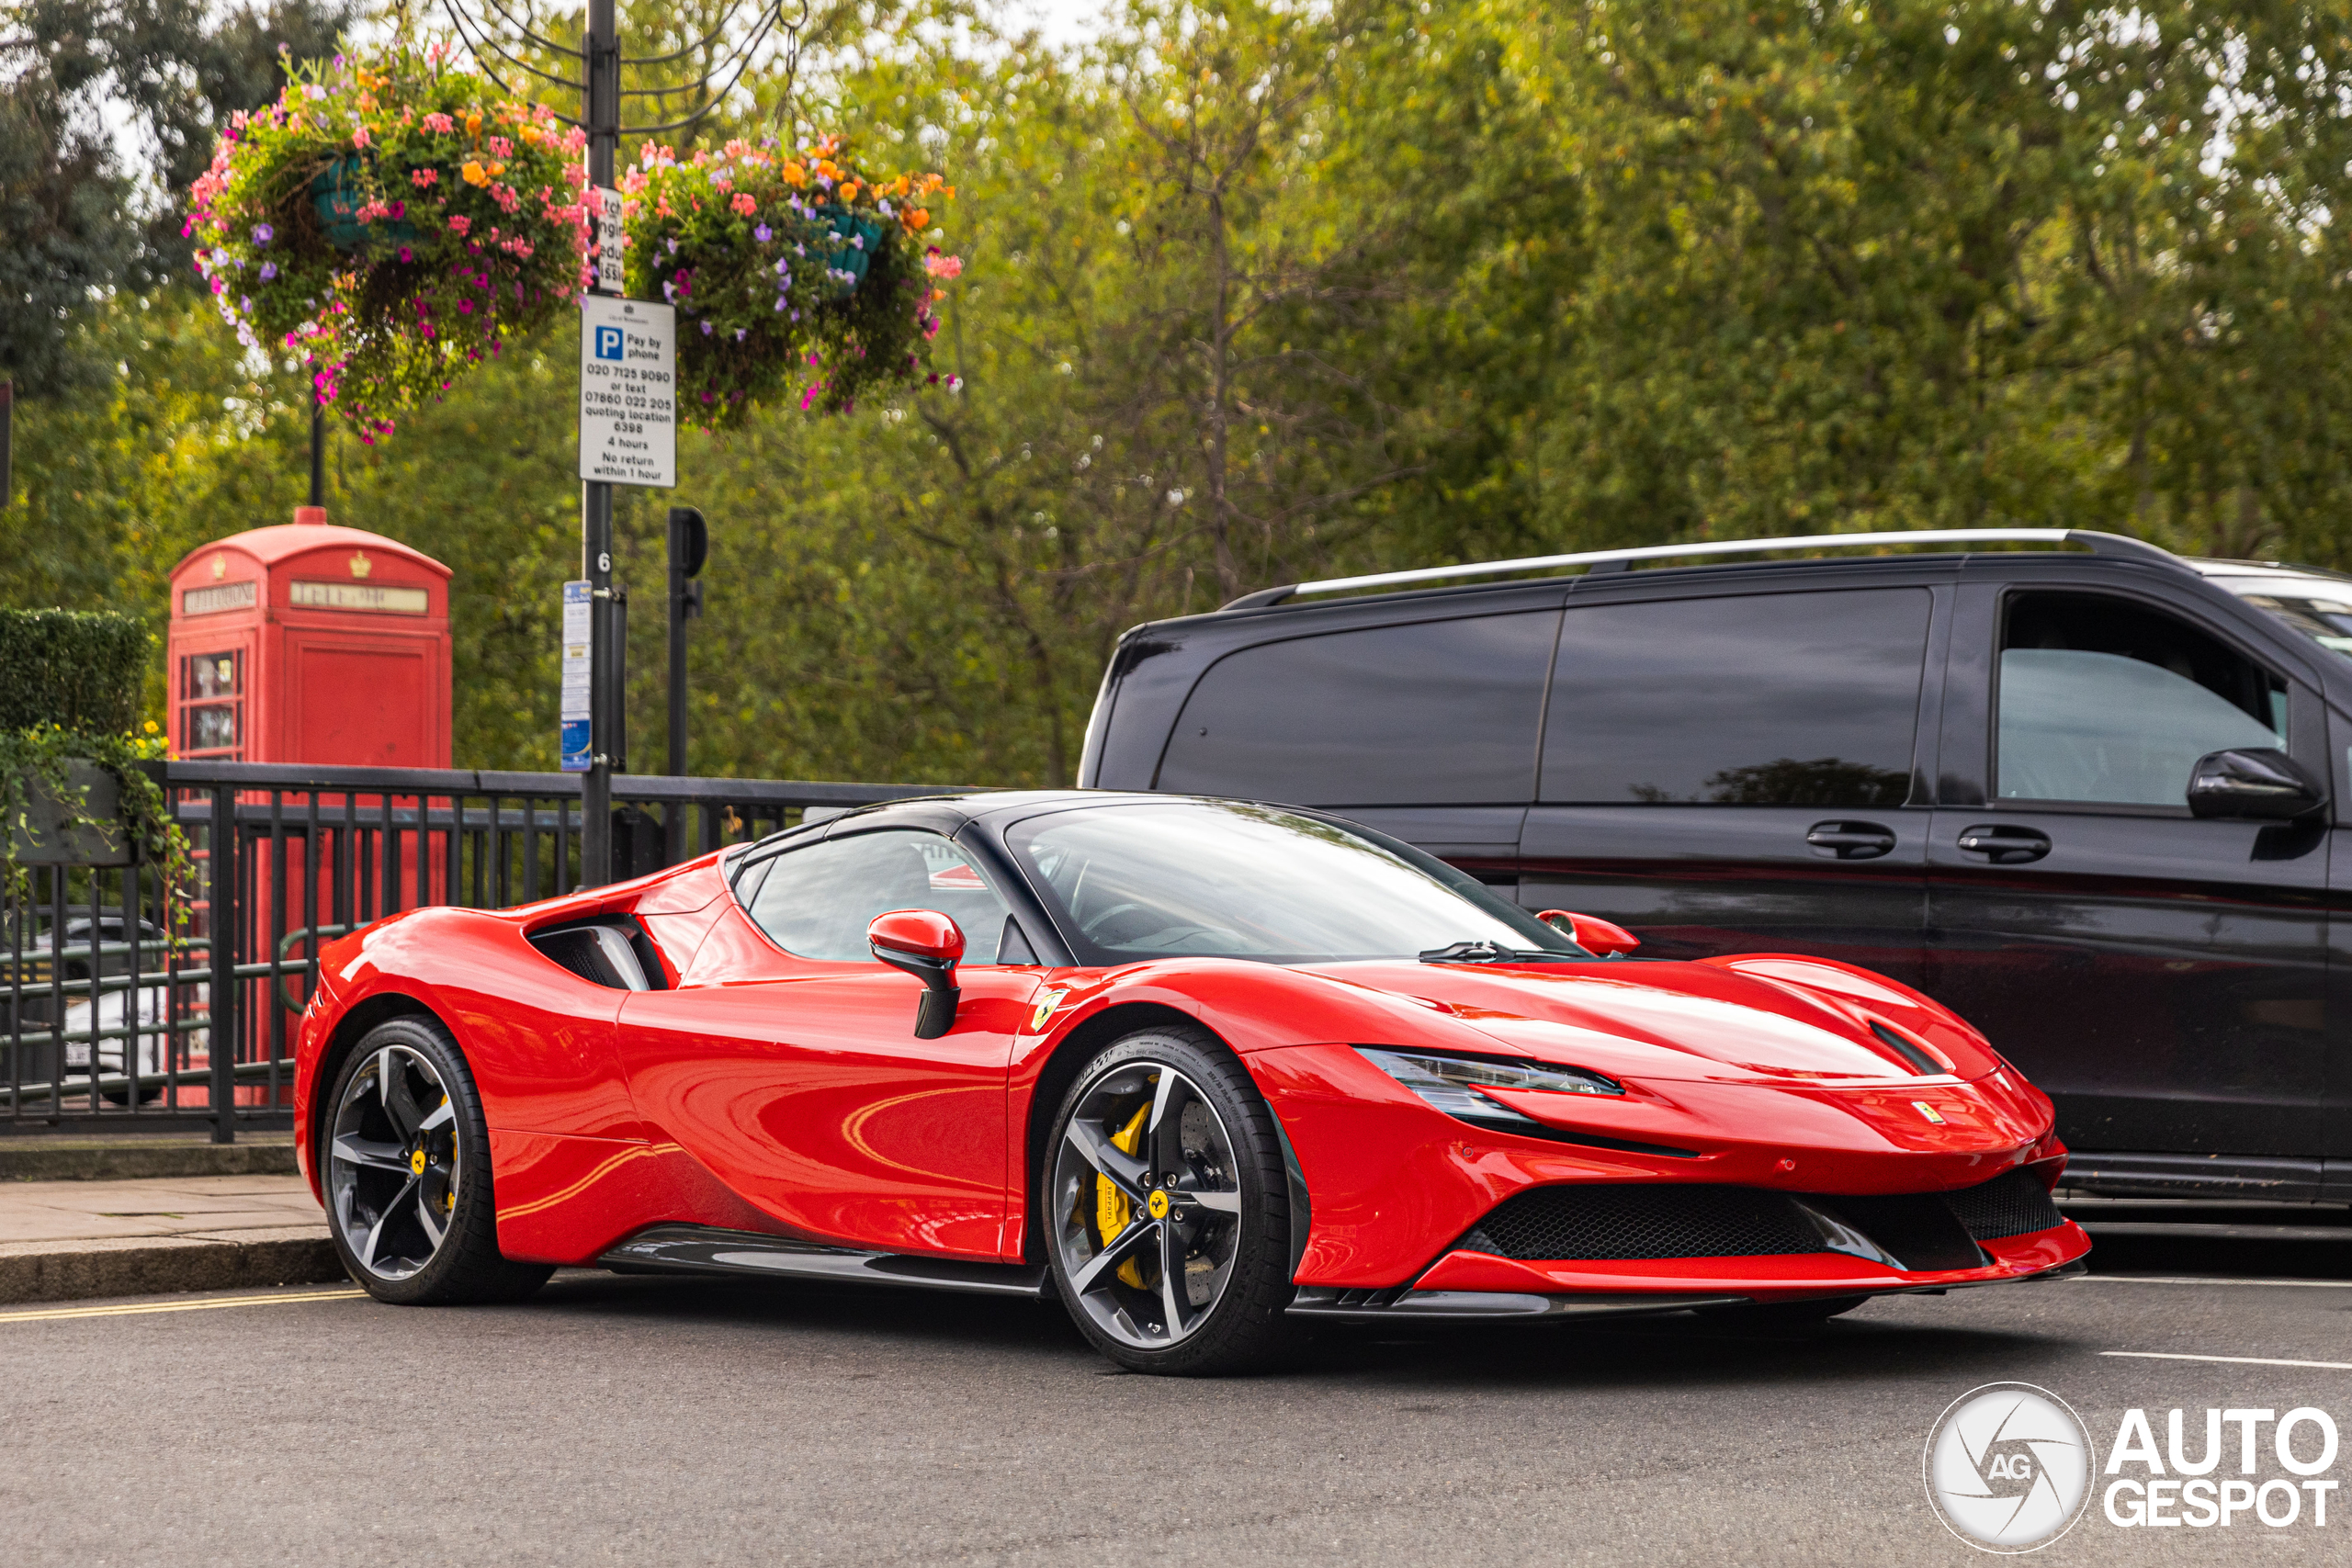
(1166, 1210)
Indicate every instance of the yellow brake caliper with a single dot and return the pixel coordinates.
(1111, 1209)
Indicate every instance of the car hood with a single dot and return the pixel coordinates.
(1754, 1019)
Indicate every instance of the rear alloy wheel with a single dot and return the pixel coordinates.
(406, 1157)
(1167, 1208)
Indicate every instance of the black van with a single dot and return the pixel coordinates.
(2085, 796)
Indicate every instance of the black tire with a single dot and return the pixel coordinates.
(1781, 1317)
(383, 1180)
(1231, 1226)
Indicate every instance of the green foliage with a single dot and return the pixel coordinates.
(1256, 292)
(73, 221)
(395, 221)
(778, 265)
(83, 671)
(71, 687)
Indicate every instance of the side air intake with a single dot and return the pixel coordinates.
(602, 953)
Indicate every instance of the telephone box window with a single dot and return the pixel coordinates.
(212, 728)
(212, 675)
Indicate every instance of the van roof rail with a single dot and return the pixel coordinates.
(2098, 543)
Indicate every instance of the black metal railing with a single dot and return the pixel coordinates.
(124, 1011)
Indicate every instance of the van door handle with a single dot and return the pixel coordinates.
(2004, 846)
(1850, 840)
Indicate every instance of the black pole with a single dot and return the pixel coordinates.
(318, 452)
(689, 542)
(8, 411)
(600, 101)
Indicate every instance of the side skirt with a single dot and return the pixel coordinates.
(705, 1249)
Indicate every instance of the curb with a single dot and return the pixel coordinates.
(67, 1271)
(124, 1159)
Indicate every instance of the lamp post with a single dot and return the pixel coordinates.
(599, 102)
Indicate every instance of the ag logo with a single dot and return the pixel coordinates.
(2008, 1467)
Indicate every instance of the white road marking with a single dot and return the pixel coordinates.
(2202, 1280)
(2234, 1360)
(132, 1309)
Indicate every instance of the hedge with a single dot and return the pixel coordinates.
(85, 670)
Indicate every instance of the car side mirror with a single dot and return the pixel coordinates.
(928, 945)
(2259, 783)
(1594, 934)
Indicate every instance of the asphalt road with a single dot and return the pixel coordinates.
(661, 1422)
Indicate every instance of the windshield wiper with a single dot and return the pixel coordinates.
(1494, 952)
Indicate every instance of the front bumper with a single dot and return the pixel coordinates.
(1473, 1285)
(1395, 1187)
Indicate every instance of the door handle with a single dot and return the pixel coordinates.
(1850, 840)
(2004, 846)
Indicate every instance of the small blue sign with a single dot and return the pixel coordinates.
(609, 343)
(574, 746)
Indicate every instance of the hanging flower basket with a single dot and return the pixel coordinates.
(792, 276)
(396, 221)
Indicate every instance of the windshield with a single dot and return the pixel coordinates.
(1229, 880)
(2319, 607)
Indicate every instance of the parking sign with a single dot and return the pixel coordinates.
(627, 383)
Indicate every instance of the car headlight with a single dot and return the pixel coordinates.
(1452, 1084)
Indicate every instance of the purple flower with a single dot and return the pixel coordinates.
(763, 233)
(268, 271)
(263, 233)
(742, 332)
(705, 328)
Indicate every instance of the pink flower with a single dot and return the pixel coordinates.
(461, 223)
(744, 204)
(943, 266)
(359, 137)
(422, 177)
(440, 123)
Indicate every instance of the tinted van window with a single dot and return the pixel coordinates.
(2104, 700)
(1434, 713)
(1772, 699)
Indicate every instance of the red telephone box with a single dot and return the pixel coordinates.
(311, 643)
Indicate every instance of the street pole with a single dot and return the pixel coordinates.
(600, 104)
(317, 451)
(689, 543)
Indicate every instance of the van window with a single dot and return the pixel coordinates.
(1768, 699)
(1435, 713)
(2102, 700)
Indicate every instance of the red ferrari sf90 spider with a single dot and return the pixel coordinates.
(1206, 1071)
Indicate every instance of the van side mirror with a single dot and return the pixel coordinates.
(2259, 783)
(928, 945)
(1590, 932)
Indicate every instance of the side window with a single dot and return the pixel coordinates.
(817, 902)
(1438, 713)
(2102, 700)
(1767, 699)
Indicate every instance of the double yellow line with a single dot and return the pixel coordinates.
(133, 1309)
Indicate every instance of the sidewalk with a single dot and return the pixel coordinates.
(69, 1240)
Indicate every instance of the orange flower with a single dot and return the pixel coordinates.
(795, 175)
(473, 174)
(473, 122)
(916, 218)
(849, 190)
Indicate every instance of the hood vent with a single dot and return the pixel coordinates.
(1921, 1063)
